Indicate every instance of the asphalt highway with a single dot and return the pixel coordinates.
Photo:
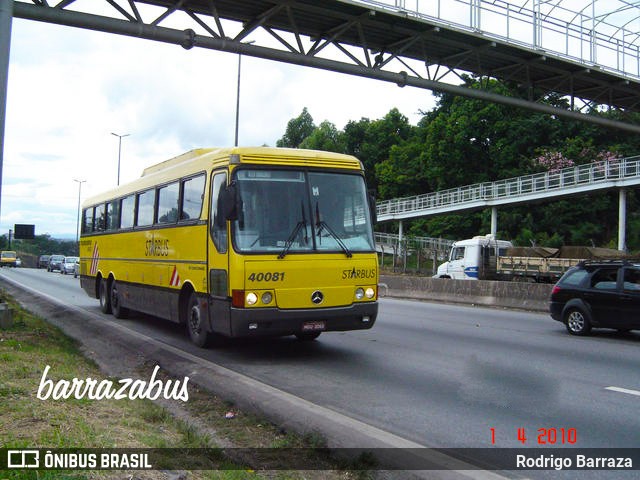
(439, 375)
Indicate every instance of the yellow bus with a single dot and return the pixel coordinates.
(8, 258)
(237, 242)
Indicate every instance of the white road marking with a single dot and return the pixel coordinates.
(624, 390)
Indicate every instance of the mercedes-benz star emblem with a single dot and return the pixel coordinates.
(317, 297)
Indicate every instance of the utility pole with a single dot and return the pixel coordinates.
(119, 150)
(80, 182)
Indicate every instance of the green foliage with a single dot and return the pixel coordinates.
(464, 141)
(298, 129)
(41, 245)
(381, 136)
(325, 137)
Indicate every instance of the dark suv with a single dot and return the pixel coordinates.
(601, 294)
(55, 263)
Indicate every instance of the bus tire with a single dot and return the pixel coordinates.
(117, 309)
(195, 323)
(103, 295)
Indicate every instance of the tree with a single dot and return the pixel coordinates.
(324, 137)
(464, 141)
(298, 129)
(41, 245)
(355, 135)
(372, 141)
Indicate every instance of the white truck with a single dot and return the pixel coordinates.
(486, 258)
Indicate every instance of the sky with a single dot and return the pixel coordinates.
(70, 89)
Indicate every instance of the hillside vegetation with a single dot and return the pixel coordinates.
(465, 141)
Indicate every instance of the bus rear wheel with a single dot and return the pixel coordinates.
(195, 323)
(116, 302)
(105, 298)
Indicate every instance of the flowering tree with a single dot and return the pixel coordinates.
(607, 162)
(552, 161)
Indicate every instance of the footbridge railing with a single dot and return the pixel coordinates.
(568, 181)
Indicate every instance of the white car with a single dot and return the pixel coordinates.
(68, 265)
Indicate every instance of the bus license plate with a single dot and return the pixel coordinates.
(313, 326)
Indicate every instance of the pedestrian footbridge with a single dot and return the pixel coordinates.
(603, 175)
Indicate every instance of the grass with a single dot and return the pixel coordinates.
(30, 343)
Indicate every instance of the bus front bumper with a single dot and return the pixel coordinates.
(275, 322)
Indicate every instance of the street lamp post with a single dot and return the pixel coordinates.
(238, 96)
(120, 137)
(238, 101)
(80, 182)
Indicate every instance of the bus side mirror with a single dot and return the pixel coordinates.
(229, 202)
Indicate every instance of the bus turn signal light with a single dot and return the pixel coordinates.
(237, 298)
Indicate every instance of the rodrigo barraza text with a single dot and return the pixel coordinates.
(549, 462)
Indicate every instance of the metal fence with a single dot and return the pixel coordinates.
(425, 252)
(424, 243)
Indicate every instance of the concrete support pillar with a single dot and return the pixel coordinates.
(622, 220)
(6, 18)
(494, 221)
(400, 234)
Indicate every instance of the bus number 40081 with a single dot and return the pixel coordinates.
(266, 277)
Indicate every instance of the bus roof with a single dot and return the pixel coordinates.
(201, 159)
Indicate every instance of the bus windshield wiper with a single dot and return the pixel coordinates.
(321, 224)
(300, 225)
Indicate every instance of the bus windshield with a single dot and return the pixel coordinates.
(287, 211)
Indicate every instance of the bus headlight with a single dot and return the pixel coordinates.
(267, 297)
(251, 298)
(359, 293)
(369, 293)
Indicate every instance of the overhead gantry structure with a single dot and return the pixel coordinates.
(586, 51)
(589, 55)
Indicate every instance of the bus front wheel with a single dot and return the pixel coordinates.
(105, 298)
(195, 323)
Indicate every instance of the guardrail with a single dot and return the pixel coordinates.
(591, 176)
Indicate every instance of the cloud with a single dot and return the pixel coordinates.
(69, 89)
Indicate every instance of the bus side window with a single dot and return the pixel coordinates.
(192, 196)
(168, 203)
(127, 211)
(113, 215)
(87, 220)
(146, 206)
(218, 223)
(99, 219)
